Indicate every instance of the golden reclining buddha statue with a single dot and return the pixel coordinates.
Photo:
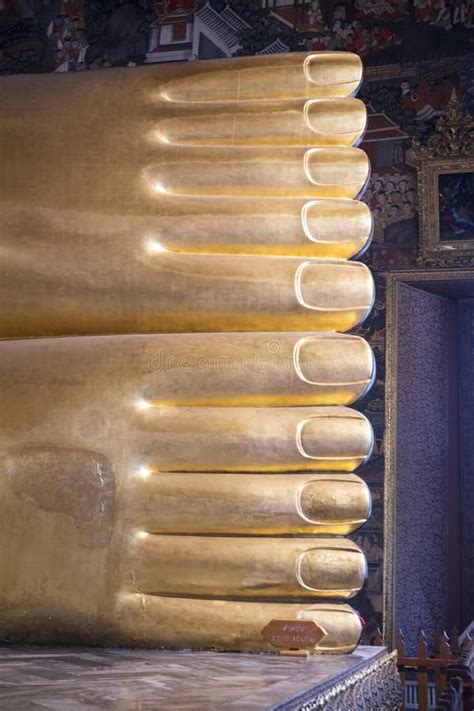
(176, 443)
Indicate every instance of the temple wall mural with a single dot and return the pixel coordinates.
(407, 86)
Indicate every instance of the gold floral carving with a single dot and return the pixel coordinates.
(453, 137)
(450, 149)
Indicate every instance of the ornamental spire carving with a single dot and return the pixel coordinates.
(453, 136)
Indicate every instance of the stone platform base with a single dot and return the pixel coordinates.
(86, 679)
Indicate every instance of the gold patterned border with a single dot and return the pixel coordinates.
(394, 279)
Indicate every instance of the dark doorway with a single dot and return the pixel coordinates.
(429, 527)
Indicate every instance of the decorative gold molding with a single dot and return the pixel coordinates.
(450, 149)
(394, 279)
(448, 262)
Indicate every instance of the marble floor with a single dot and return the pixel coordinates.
(91, 679)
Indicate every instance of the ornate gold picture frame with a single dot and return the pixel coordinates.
(445, 166)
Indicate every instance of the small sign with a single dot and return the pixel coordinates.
(293, 634)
